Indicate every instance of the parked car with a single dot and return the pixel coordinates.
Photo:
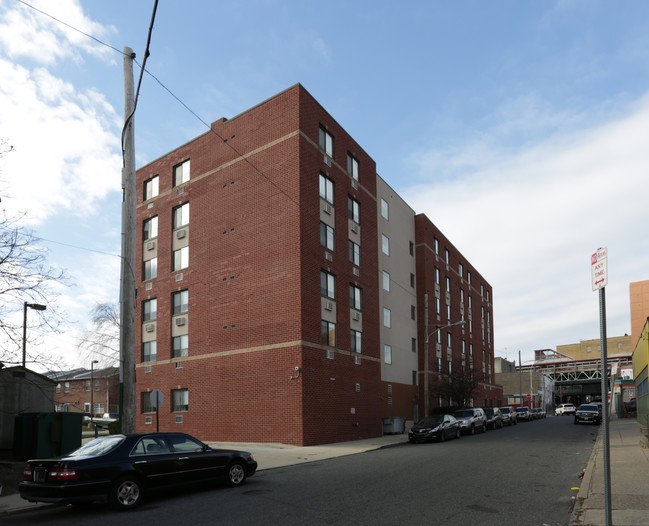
(438, 427)
(510, 416)
(565, 409)
(471, 420)
(588, 413)
(120, 469)
(494, 418)
(523, 413)
(536, 413)
(631, 406)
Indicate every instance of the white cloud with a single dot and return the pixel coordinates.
(530, 219)
(27, 33)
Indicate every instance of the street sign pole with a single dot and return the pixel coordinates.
(599, 273)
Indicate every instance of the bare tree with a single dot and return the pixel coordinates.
(101, 342)
(25, 277)
(457, 382)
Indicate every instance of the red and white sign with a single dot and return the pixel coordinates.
(599, 269)
(529, 397)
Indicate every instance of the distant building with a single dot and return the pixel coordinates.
(639, 303)
(72, 392)
(282, 286)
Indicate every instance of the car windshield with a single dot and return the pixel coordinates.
(588, 408)
(466, 413)
(489, 412)
(505, 411)
(98, 447)
(522, 409)
(430, 421)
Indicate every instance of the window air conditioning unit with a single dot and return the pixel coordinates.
(357, 360)
(179, 419)
(329, 256)
(148, 420)
(328, 209)
(150, 327)
(327, 160)
(150, 245)
(180, 234)
(357, 316)
(147, 368)
(329, 305)
(179, 276)
(356, 271)
(180, 321)
(355, 228)
(148, 286)
(330, 354)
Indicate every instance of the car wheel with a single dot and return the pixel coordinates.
(484, 427)
(235, 474)
(472, 429)
(126, 493)
(442, 435)
(457, 432)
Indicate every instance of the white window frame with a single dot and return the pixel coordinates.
(385, 244)
(387, 317)
(326, 141)
(181, 216)
(385, 209)
(326, 189)
(183, 346)
(180, 259)
(387, 354)
(181, 173)
(151, 187)
(327, 236)
(150, 228)
(386, 281)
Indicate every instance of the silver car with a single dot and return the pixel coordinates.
(471, 420)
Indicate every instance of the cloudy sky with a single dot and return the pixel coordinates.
(519, 127)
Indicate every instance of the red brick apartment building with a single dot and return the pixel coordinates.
(75, 392)
(262, 309)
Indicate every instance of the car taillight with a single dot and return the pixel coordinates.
(62, 474)
(27, 473)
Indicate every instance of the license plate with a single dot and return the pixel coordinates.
(40, 474)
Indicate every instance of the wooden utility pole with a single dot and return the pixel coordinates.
(127, 287)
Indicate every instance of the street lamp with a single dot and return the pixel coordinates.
(34, 306)
(437, 327)
(92, 395)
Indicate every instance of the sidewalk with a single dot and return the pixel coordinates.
(629, 472)
(268, 456)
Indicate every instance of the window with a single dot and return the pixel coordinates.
(436, 244)
(327, 236)
(150, 228)
(149, 350)
(181, 216)
(326, 142)
(354, 209)
(386, 281)
(387, 354)
(97, 385)
(354, 253)
(438, 305)
(411, 248)
(180, 302)
(412, 280)
(180, 346)
(413, 312)
(181, 173)
(449, 339)
(150, 269)
(387, 317)
(385, 244)
(385, 211)
(66, 387)
(179, 400)
(149, 310)
(436, 276)
(448, 284)
(468, 276)
(327, 285)
(447, 256)
(328, 333)
(58, 388)
(151, 187)
(181, 259)
(413, 344)
(145, 403)
(461, 270)
(355, 297)
(352, 166)
(86, 407)
(87, 386)
(326, 189)
(356, 341)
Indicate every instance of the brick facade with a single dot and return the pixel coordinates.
(253, 282)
